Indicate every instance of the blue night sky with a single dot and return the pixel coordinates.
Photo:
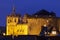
(27, 6)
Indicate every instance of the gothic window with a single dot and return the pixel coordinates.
(9, 20)
(21, 30)
(17, 30)
(15, 20)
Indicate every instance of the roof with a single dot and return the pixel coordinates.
(14, 15)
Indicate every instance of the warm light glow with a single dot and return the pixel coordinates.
(53, 32)
(47, 21)
(4, 34)
(45, 32)
(44, 25)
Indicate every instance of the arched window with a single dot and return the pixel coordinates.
(15, 20)
(9, 20)
(17, 30)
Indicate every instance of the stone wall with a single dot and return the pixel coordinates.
(58, 23)
(35, 24)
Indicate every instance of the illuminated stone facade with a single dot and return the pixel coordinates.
(15, 26)
(28, 25)
(36, 24)
(58, 23)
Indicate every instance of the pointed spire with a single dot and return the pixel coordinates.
(13, 8)
(13, 11)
